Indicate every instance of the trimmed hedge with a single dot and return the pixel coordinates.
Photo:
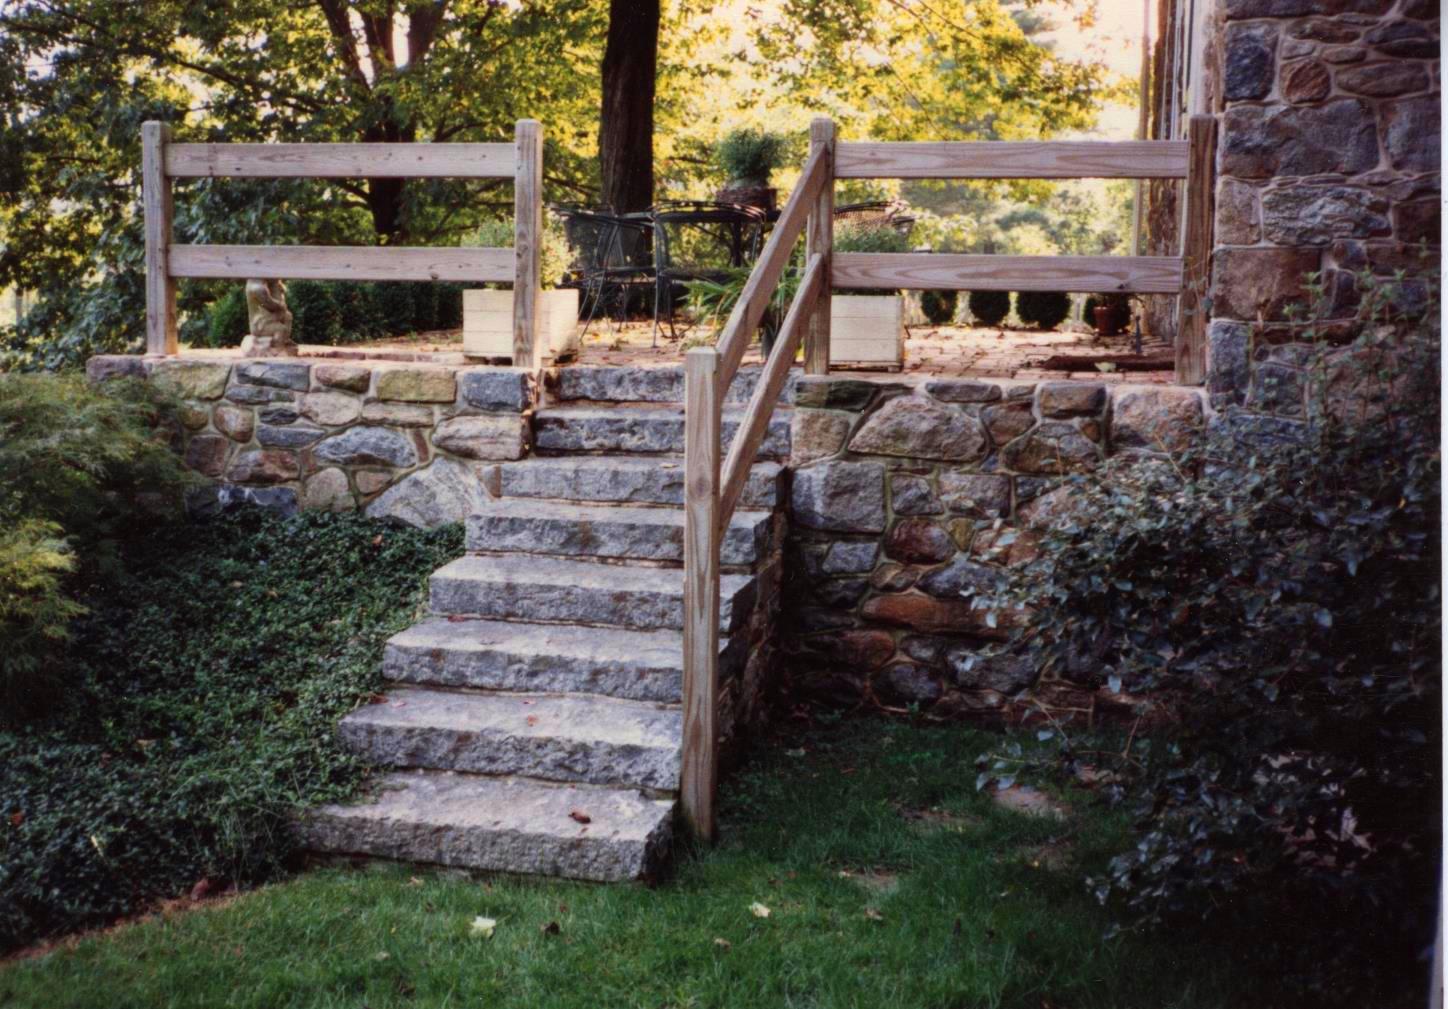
(989, 308)
(1043, 309)
(939, 306)
(226, 323)
(331, 312)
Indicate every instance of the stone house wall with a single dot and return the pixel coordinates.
(408, 441)
(1328, 160)
(902, 496)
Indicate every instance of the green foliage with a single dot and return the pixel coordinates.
(939, 306)
(315, 315)
(1043, 309)
(394, 306)
(747, 156)
(208, 679)
(78, 467)
(227, 322)
(424, 307)
(869, 236)
(555, 256)
(357, 316)
(1279, 590)
(449, 306)
(989, 308)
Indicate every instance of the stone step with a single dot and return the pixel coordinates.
(621, 480)
(498, 825)
(553, 737)
(554, 658)
(558, 590)
(639, 429)
(642, 384)
(614, 532)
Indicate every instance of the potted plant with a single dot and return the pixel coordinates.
(867, 327)
(488, 312)
(1109, 314)
(747, 157)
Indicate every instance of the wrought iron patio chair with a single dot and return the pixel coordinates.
(698, 240)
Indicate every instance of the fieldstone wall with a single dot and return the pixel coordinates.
(907, 495)
(1328, 160)
(406, 441)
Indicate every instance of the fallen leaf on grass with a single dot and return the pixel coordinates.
(723, 944)
(483, 927)
(758, 910)
(384, 955)
(552, 928)
(201, 889)
(873, 915)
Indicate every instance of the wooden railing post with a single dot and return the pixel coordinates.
(699, 771)
(1191, 347)
(527, 242)
(156, 205)
(819, 239)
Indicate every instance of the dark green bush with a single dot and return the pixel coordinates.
(356, 312)
(79, 466)
(938, 306)
(227, 322)
(208, 677)
(315, 316)
(424, 307)
(393, 303)
(449, 306)
(1279, 591)
(989, 308)
(1042, 309)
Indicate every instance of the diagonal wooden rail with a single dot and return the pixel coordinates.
(712, 485)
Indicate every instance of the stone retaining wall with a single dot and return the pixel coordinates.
(395, 440)
(1328, 160)
(901, 496)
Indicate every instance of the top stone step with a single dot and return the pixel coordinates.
(642, 384)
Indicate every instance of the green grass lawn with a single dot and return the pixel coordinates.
(889, 882)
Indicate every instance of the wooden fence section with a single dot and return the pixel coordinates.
(522, 161)
(712, 487)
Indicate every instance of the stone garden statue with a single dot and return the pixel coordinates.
(269, 321)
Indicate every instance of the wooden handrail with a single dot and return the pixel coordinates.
(750, 434)
(709, 502)
(769, 267)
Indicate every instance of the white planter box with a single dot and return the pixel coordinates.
(488, 323)
(867, 329)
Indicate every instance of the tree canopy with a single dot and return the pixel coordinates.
(78, 77)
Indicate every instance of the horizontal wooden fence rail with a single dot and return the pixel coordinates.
(1007, 159)
(166, 261)
(961, 272)
(712, 488)
(345, 262)
(339, 161)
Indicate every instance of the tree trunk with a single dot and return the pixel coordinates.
(626, 125)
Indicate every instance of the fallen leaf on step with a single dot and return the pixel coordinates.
(532, 719)
(758, 910)
(483, 927)
(580, 816)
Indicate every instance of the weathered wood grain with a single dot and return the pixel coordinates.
(298, 262)
(960, 272)
(1002, 159)
(339, 161)
(699, 771)
(765, 398)
(1191, 345)
(157, 207)
(759, 288)
(527, 242)
(819, 241)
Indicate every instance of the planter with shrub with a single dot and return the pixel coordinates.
(1042, 309)
(867, 327)
(747, 158)
(488, 313)
(1109, 314)
(989, 308)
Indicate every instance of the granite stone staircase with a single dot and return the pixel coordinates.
(532, 723)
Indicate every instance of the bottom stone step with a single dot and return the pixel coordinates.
(498, 824)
